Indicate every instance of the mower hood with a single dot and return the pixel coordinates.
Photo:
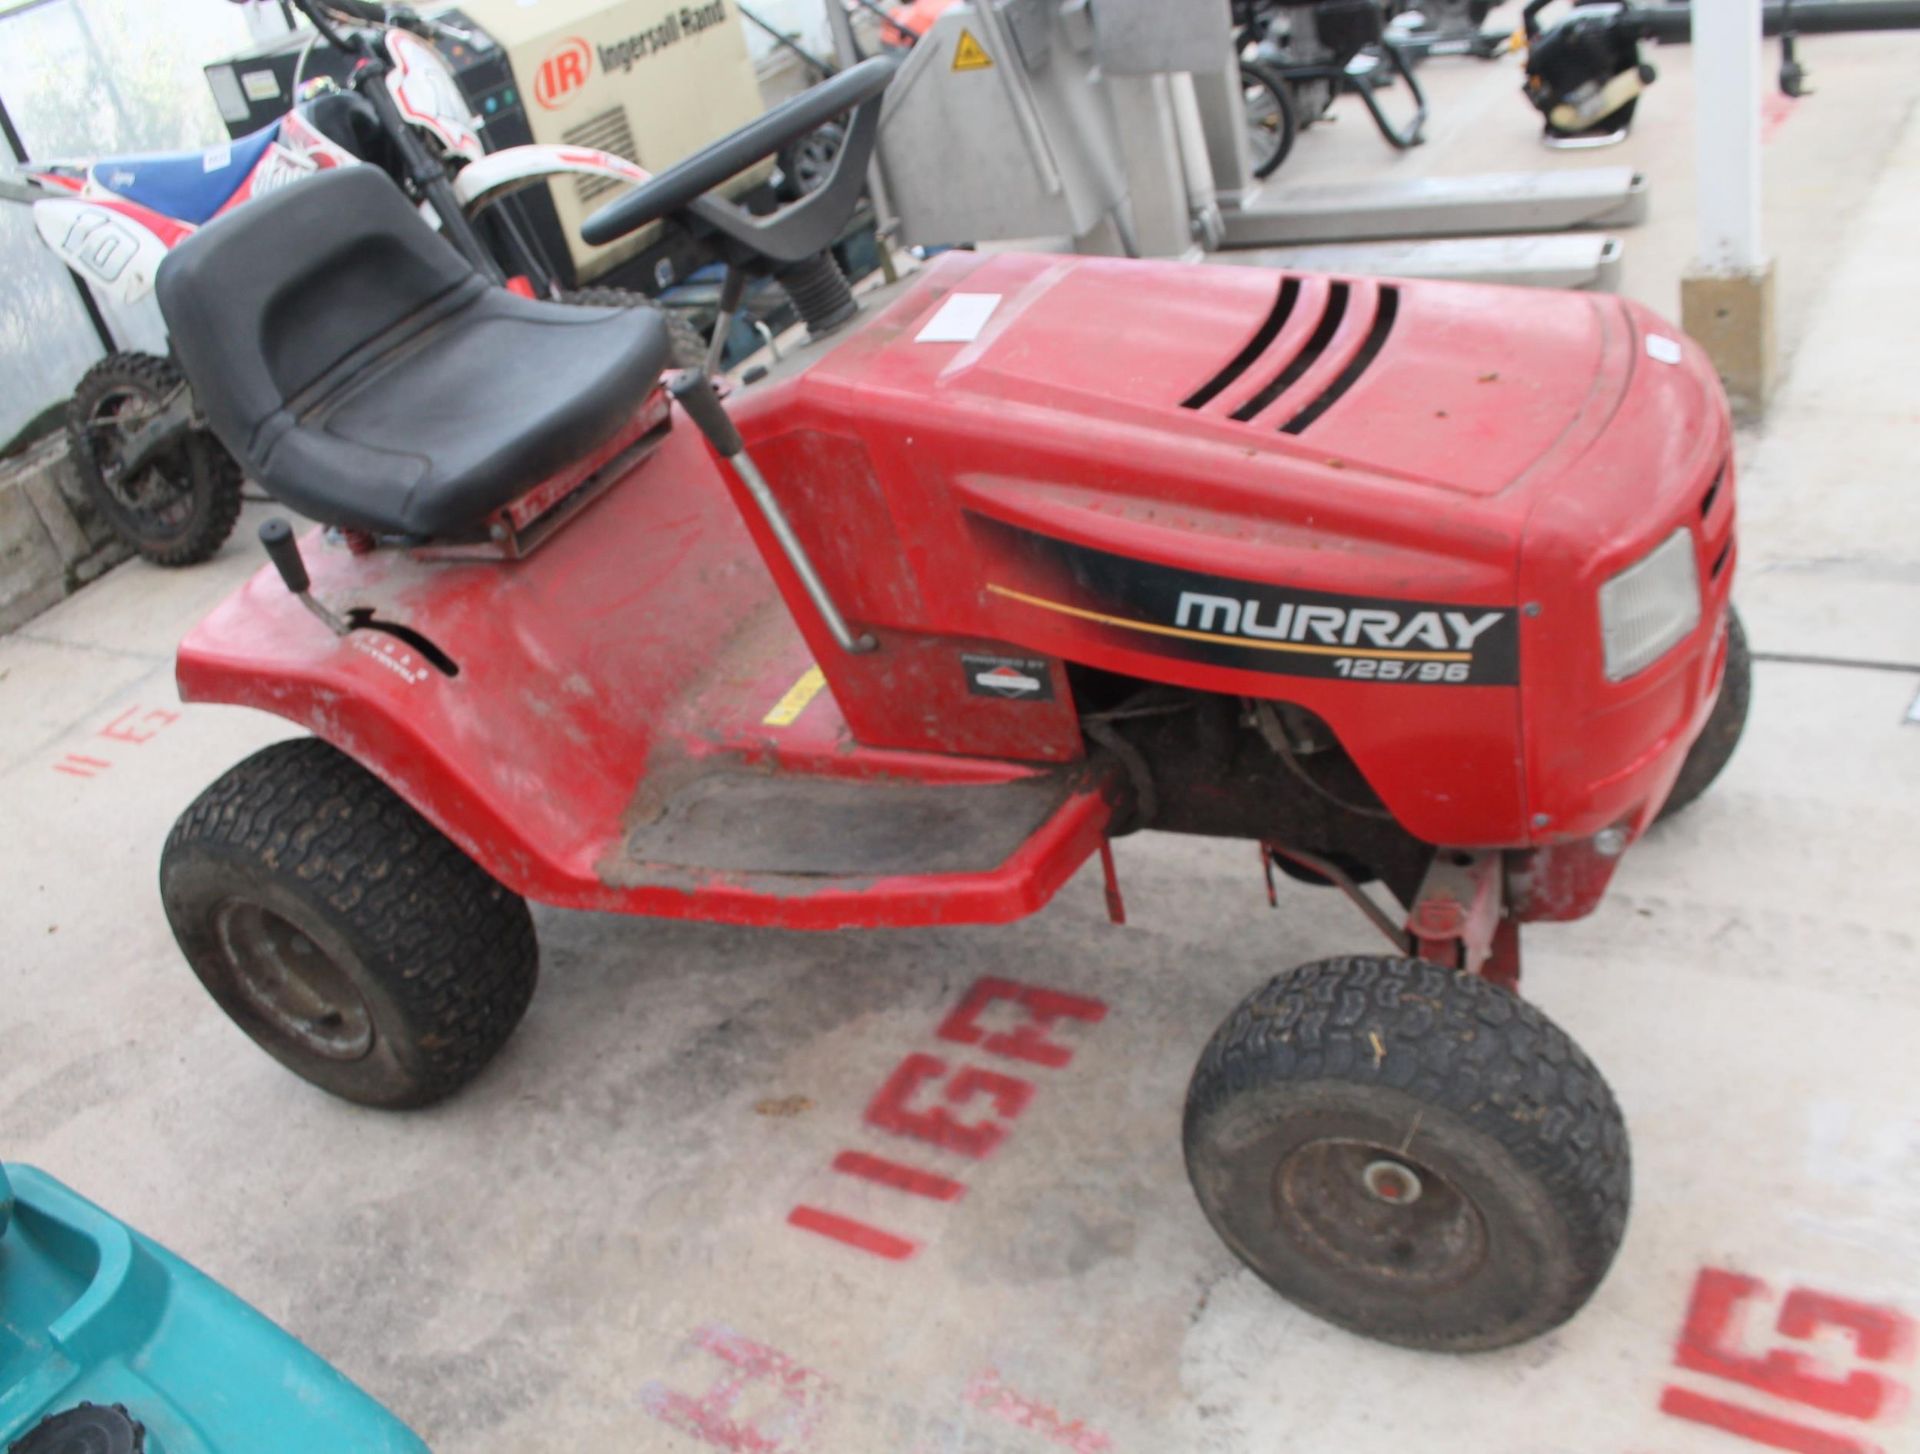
(1458, 388)
(1233, 480)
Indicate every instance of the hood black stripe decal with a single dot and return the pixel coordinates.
(1375, 341)
(1305, 359)
(1261, 342)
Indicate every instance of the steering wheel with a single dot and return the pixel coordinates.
(796, 232)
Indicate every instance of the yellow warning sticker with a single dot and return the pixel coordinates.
(970, 55)
(787, 710)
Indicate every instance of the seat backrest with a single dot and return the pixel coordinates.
(265, 302)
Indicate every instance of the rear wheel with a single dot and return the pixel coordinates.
(689, 348)
(1713, 749)
(179, 507)
(343, 932)
(1409, 1152)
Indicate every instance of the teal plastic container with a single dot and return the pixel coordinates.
(93, 1312)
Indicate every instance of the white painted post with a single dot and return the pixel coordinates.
(1727, 77)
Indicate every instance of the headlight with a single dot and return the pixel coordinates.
(1650, 606)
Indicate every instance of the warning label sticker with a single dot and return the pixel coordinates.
(970, 55)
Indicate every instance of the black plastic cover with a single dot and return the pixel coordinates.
(84, 1429)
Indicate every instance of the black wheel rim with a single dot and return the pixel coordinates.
(1378, 1216)
(813, 159)
(159, 499)
(291, 984)
(1266, 125)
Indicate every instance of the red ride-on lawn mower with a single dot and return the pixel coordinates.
(1409, 582)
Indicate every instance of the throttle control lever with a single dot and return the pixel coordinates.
(284, 551)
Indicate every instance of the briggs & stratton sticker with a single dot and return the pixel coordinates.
(1015, 678)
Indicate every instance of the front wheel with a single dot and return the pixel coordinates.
(1409, 1152)
(1713, 749)
(343, 932)
(179, 507)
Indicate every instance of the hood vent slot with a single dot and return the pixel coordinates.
(1376, 340)
(1339, 299)
(1261, 342)
(1713, 493)
(1304, 360)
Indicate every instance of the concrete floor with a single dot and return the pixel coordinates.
(589, 1248)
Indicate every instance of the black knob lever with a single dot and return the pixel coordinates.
(284, 551)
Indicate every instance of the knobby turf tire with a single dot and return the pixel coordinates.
(200, 468)
(441, 955)
(689, 349)
(1713, 749)
(1457, 1077)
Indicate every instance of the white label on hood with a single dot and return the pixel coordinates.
(961, 319)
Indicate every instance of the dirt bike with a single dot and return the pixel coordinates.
(157, 474)
(1410, 584)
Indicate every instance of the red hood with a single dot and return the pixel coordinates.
(1456, 386)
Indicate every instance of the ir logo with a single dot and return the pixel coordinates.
(565, 70)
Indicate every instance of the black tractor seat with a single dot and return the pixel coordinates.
(366, 375)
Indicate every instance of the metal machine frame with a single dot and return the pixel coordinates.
(1068, 120)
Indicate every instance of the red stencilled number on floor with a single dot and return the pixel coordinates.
(1719, 1340)
(1001, 1098)
(989, 1392)
(1715, 1337)
(75, 764)
(898, 1176)
(1031, 1041)
(760, 1400)
(960, 1108)
(136, 727)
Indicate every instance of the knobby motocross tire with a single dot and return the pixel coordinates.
(182, 507)
(343, 932)
(689, 348)
(1409, 1152)
(1713, 749)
